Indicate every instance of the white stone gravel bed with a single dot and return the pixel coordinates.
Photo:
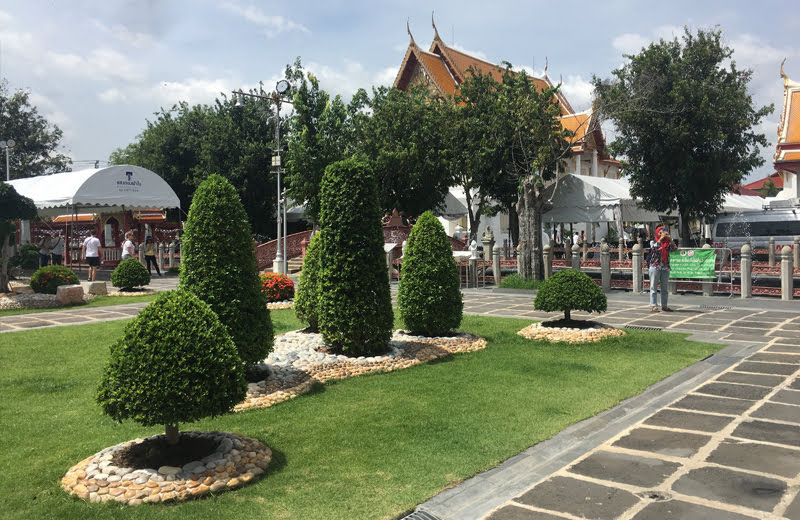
(300, 358)
(537, 331)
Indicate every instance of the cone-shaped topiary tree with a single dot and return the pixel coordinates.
(219, 266)
(429, 296)
(355, 310)
(570, 290)
(130, 273)
(306, 300)
(175, 363)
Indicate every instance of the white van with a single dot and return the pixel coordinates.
(733, 229)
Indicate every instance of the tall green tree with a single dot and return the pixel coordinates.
(36, 139)
(13, 207)
(685, 124)
(320, 134)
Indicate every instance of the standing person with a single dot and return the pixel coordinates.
(90, 251)
(44, 251)
(57, 248)
(128, 249)
(658, 267)
(150, 255)
(576, 238)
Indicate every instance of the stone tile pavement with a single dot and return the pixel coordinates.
(720, 439)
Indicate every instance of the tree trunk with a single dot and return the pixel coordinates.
(172, 434)
(685, 237)
(4, 270)
(474, 218)
(530, 263)
(513, 224)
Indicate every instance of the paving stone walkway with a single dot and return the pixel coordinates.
(718, 440)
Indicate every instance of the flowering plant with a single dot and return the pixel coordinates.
(47, 279)
(276, 287)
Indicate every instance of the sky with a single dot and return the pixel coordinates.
(101, 69)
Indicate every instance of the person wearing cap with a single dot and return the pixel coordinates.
(658, 267)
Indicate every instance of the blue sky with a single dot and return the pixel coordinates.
(100, 69)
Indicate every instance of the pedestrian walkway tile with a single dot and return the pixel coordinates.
(778, 346)
(680, 510)
(625, 468)
(679, 419)
(772, 357)
(513, 512)
(787, 397)
(663, 442)
(732, 487)
(793, 511)
(778, 412)
(766, 368)
(764, 431)
(579, 498)
(705, 403)
(751, 379)
(754, 393)
(795, 385)
(757, 457)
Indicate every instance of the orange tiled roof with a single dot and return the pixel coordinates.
(787, 152)
(776, 179)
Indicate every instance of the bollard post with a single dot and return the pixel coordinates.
(621, 248)
(505, 248)
(772, 251)
(576, 257)
(496, 265)
(389, 264)
(605, 266)
(585, 250)
(567, 251)
(787, 274)
(160, 259)
(708, 285)
(637, 267)
(171, 257)
(796, 250)
(548, 261)
(747, 271)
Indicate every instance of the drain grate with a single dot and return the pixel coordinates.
(716, 307)
(656, 496)
(639, 327)
(419, 515)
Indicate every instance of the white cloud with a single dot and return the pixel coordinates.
(193, 91)
(386, 76)
(629, 43)
(578, 92)
(273, 25)
(112, 95)
(50, 110)
(101, 64)
(136, 40)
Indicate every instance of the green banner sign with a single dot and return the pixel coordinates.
(692, 263)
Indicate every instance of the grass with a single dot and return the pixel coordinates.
(514, 281)
(368, 447)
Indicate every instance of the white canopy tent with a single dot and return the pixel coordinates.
(580, 198)
(734, 202)
(104, 189)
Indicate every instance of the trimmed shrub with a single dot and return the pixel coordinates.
(219, 266)
(429, 296)
(27, 257)
(570, 290)
(306, 301)
(175, 363)
(355, 311)
(276, 287)
(130, 273)
(47, 279)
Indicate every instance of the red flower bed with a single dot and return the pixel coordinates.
(277, 287)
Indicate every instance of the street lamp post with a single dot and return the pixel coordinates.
(276, 97)
(7, 145)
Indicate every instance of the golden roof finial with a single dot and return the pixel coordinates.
(408, 28)
(545, 66)
(435, 30)
(783, 74)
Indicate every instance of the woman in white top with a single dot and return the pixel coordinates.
(128, 249)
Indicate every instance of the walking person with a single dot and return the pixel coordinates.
(44, 251)
(57, 248)
(658, 267)
(90, 252)
(150, 255)
(128, 249)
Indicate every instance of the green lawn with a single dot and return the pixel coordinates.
(367, 447)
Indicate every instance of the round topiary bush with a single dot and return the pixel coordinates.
(429, 296)
(130, 273)
(47, 279)
(570, 290)
(276, 287)
(174, 363)
(306, 301)
(355, 311)
(219, 266)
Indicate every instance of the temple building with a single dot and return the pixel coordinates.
(442, 69)
(787, 152)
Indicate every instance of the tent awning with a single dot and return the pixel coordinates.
(112, 187)
(580, 198)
